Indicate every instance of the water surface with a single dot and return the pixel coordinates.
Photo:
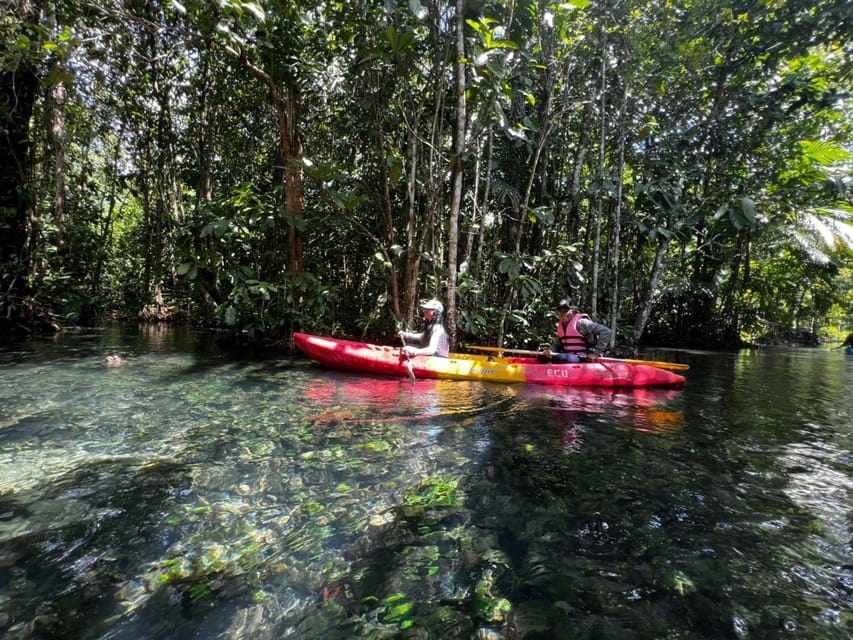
(195, 492)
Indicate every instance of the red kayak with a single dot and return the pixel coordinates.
(371, 358)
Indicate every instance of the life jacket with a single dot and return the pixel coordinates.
(570, 337)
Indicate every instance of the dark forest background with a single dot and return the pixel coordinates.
(681, 169)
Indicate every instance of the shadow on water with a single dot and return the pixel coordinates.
(67, 542)
(194, 493)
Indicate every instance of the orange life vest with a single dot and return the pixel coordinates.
(570, 337)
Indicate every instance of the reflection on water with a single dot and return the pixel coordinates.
(192, 492)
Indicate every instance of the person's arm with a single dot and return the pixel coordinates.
(411, 337)
(599, 334)
(415, 343)
(556, 347)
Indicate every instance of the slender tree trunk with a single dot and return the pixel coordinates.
(481, 239)
(456, 171)
(387, 215)
(160, 169)
(729, 317)
(617, 221)
(293, 175)
(91, 308)
(209, 277)
(600, 199)
(205, 177)
(475, 201)
(573, 220)
(642, 318)
(148, 219)
(427, 175)
(161, 203)
(56, 138)
(522, 215)
(412, 256)
(287, 102)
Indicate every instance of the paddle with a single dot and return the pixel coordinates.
(524, 352)
(408, 360)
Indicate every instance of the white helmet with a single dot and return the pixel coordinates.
(435, 305)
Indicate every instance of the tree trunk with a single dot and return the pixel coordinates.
(289, 112)
(456, 172)
(160, 169)
(90, 309)
(387, 216)
(572, 215)
(617, 221)
(475, 201)
(150, 224)
(209, 277)
(205, 177)
(642, 318)
(56, 137)
(481, 238)
(287, 102)
(729, 316)
(410, 277)
(600, 197)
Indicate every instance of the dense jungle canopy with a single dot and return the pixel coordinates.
(680, 169)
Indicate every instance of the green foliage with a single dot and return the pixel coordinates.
(224, 252)
(733, 133)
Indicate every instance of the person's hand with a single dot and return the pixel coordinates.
(592, 357)
(410, 351)
(400, 334)
(547, 353)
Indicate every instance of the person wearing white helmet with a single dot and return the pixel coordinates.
(432, 341)
(579, 338)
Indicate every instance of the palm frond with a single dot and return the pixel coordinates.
(841, 223)
(502, 189)
(807, 243)
(816, 226)
(830, 225)
(823, 152)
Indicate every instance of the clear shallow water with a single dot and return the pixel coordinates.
(193, 492)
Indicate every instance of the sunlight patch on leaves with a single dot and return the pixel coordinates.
(841, 223)
(808, 245)
(823, 152)
(819, 229)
